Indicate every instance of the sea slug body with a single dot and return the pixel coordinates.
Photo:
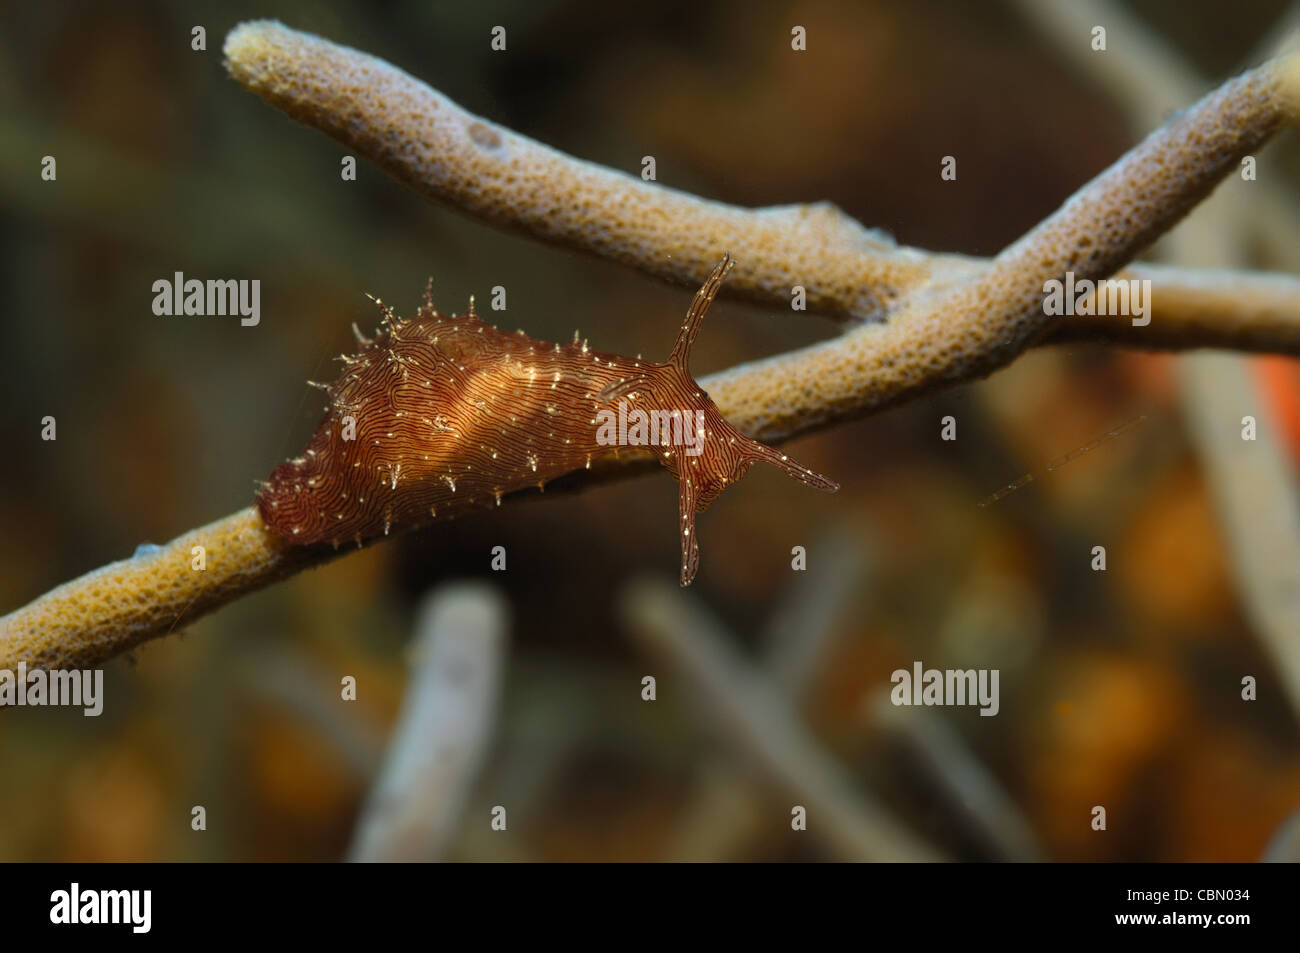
(440, 414)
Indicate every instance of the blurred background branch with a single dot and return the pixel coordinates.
(457, 659)
(760, 724)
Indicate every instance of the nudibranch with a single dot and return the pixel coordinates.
(440, 414)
